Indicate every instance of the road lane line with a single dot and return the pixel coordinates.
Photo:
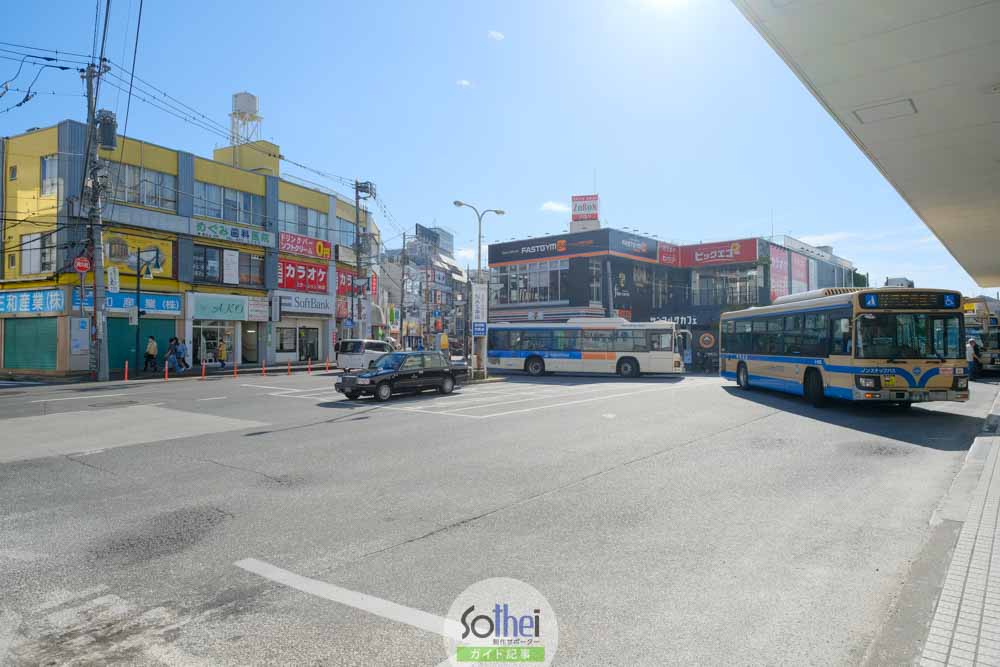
(383, 608)
(559, 405)
(214, 398)
(77, 398)
(264, 386)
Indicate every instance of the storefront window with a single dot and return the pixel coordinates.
(251, 269)
(286, 339)
(207, 334)
(537, 282)
(726, 286)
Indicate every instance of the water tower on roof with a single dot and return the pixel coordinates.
(245, 119)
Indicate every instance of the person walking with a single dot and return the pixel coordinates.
(170, 359)
(182, 351)
(151, 354)
(972, 356)
(221, 352)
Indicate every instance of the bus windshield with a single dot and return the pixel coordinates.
(909, 336)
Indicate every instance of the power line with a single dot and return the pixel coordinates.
(128, 101)
(56, 51)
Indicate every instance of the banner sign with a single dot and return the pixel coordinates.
(32, 301)
(217, 306)
(668, 254)
(779, 272)
(585, 207)
(632, 245)
(297, 244)
(345, 279)
(153, 304)
(231, 267)
(258, 308)
(800, 273)
(479, 309)
(120, 251)
(292, 302)
(302, 277)
(223, 232)
(727, 252)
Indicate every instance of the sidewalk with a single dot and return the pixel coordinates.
(242, 369)
(965, 629)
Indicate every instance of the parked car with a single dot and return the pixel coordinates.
(359, 352)
(400, 372)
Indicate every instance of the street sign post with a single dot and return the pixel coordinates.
(81, 264)
(479, 307)
(348, 323)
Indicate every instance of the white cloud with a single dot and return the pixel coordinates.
(495, 35)
(469, 255)
(554, 207)
(463, 83)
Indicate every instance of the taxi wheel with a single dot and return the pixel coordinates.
(447, 385)
(383, 392)
(352, 395)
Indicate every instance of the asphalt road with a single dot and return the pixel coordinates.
(667, 521)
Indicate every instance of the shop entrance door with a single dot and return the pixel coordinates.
(308, 344)
(207, 334)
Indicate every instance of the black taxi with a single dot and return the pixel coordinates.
(400, 372)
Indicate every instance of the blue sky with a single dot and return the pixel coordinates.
(696, 129)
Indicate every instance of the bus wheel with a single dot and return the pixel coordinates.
(535, 366)
(742, 377)
(628, 368)
(814, 388)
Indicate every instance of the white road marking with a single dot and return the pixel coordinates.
(609, 415)
(76, 398)
(582, 400)
(264, 386)
(214, 398)
(373, 605)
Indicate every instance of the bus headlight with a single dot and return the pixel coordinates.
(868, 381)
(961, 383)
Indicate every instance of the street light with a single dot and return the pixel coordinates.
(479, 246)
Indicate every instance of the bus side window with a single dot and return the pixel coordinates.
(840, 335)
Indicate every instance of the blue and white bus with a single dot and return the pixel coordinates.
(896, 345)
(588, 345)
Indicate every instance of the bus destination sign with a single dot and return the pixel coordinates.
(911, 300)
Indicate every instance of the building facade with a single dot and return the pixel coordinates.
(219, 254)
(612, 273)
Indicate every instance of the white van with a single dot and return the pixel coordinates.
(358, 353)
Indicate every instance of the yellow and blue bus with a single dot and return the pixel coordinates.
(588, 345)
(892, 345)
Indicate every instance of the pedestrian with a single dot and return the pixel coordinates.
(182, 351)
(170, 359)
(972, 356)
(151, 354)
(220, 353)
(420, 344)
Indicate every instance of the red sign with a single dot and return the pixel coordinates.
(800, 273)
(779, 272)
(304, 245)
(302, 277)
(81, 264)
(342, 308)
(584, 207)
(727, 252)
(344, 279)
(374, 283)
(668, 254)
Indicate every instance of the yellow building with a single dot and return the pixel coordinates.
(210, 241)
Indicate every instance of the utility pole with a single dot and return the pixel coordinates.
(368, 189)
(95, 234)
(402, 292)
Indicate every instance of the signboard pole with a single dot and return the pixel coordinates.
(138, 301)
